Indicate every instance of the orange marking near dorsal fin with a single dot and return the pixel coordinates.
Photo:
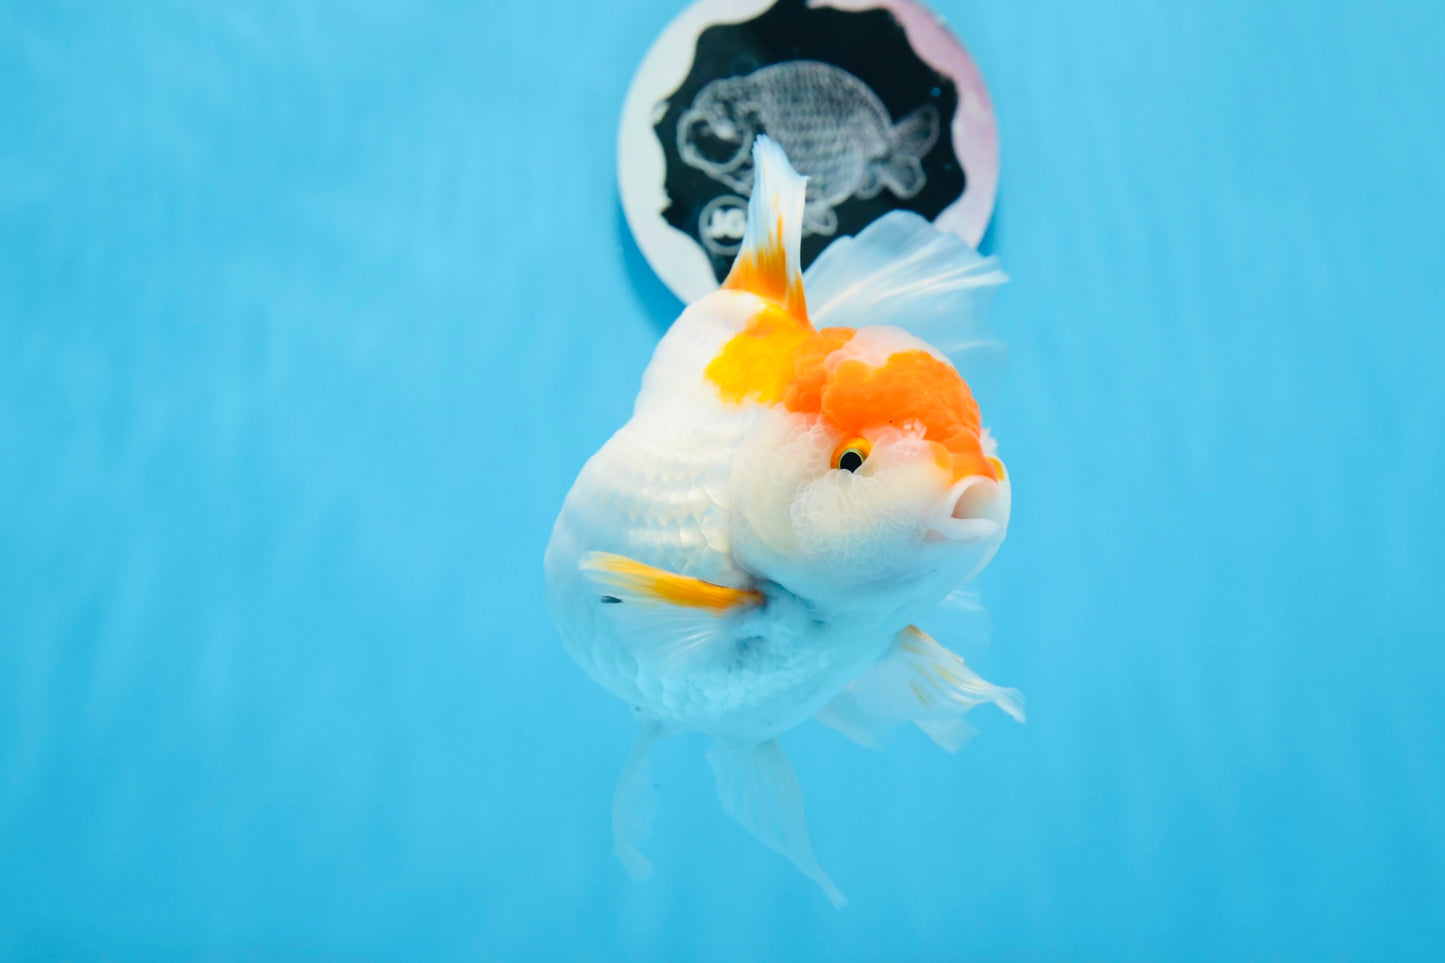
(769, 263)
(760, 362)
(765, 271)
(639, 579)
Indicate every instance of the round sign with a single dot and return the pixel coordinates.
(875, 101)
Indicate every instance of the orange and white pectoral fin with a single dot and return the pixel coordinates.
(903, 271)
(769, 263)
(669, 622)
(757, 787)
(916, 681)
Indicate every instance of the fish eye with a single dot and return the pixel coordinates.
(851, 454)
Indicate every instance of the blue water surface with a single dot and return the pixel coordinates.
(310, 312)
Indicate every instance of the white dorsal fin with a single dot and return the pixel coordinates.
(903, 271)
(769, 263)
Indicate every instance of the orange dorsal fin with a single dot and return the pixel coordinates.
(769, 263)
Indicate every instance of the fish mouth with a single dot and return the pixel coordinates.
(976, 509)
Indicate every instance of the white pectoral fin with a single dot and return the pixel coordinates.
(757, 787)
(926, 281)
(851, 716)
(917, 681)
(669, 622)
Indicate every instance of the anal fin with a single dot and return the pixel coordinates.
(757, 787)
(634, 803)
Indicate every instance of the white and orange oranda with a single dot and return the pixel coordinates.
(795, 489)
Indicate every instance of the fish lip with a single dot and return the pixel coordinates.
(973, 511)
(964, 530)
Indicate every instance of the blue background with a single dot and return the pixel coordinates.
(309, 313)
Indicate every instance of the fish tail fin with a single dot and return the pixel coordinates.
(902, 174)
(757, 787)
(769, 262)
(634, 804)
(917, 132)
(912, 137)
(926, 281)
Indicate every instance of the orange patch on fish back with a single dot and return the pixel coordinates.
(640, 579)
(760, 362)
(764, 272)
(810, 369)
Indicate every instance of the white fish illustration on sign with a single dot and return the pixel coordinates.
(832, 126)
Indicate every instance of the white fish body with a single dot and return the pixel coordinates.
(684, 573)
(658, 491)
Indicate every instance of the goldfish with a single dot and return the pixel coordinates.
(804, 478)
(828, 122)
